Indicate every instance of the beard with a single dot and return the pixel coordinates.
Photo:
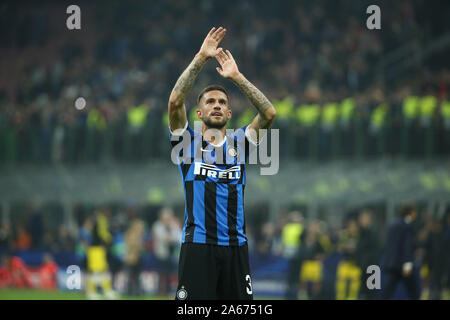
(215, 124)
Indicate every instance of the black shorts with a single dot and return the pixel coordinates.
(209, 271)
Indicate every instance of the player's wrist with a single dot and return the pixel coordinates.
(202, 56)
(236, 77)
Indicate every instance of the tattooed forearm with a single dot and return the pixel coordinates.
(186, 80)
(256, 97)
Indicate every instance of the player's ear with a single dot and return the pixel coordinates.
(229, 114)
(199, 113)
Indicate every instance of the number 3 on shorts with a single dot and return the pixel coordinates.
(249, 284)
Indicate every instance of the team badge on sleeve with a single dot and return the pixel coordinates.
(182, 294)
(232, 152)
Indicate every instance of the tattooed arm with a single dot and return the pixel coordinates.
(266, 111)
(177, 108)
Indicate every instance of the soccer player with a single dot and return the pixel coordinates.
(213, 261)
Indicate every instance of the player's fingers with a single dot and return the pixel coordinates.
(219, 56)
(221, 34)
(220, 59)
(219, 70)
(223, 56)
(229, 55)
(216, 33)
(211, 31)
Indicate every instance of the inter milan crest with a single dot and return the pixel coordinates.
(182, 294)
(232, 152)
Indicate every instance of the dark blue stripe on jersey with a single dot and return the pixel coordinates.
(240, 215)
(243, 197)
(242, 173)
(221, 214)
(183, 239)
(247, 149)
(190, 223)
(199, 155)
(232, 214)
(210, 212)
(200, 178)
(190, 173)
(185, 205)
(199, 211)
(184, 170)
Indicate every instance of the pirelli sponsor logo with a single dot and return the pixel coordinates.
(210, 170)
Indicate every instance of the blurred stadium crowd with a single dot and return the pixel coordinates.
(314, 60)
(317, 68)
(314, 258)
(108, 239)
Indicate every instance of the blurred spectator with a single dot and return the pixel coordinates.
(136, 122)
(117, 251)
(348, 272)
(267, 242)
(398, 259)
(49, 240)
(97, 258)
(166, 233)
(291, 239)
(314, 246)
(36, 228)
(6, 280)
(65, 241)
(367, 251)
(446, 256)
(134, 242)
(23, 238)
(83, 240)
(5, 236)
(436, 249)
(47, 272)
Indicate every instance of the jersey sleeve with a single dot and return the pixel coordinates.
(249, 138)
(246, 143)
(181, 139)
(178, 135)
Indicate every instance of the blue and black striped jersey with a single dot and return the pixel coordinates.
(214, 181)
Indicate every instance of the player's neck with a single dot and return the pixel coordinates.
(213, 135)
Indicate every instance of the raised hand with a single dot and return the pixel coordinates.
(212, 40)
(229, 67)
(266, 111)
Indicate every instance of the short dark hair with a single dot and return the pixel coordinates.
(407, 209)
(211, 88)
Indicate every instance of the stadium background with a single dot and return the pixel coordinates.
(364, 119)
